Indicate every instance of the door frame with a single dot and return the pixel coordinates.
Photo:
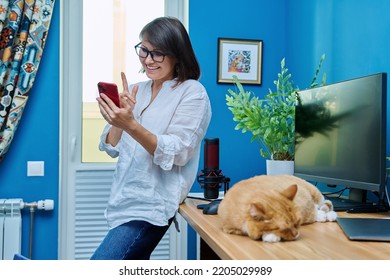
(71, 78)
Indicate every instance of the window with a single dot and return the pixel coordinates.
(108, 50)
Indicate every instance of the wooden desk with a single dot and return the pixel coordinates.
(318, 241)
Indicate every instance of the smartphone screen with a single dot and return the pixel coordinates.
(111, 90)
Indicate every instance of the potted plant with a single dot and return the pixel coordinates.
(270, 120)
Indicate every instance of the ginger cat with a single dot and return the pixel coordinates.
(273, 207)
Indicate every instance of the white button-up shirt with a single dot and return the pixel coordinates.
(150, 188)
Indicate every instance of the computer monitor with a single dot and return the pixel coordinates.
(340, 134)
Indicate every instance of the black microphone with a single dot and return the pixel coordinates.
(211, 177)
(211, 154)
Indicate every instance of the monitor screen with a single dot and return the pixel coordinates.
(340, 133)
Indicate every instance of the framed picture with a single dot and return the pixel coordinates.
(239, 57)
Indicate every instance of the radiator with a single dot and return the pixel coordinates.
(10, 228)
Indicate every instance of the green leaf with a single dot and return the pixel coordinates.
(271, 120)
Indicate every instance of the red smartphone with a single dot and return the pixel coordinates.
(111, 90)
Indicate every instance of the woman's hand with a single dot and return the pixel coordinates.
(122, 116)
(127, 100)
(122, 119)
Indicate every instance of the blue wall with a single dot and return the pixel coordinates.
(37, 139)
(249, 19)
(354, 35)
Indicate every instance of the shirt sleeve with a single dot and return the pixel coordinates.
(108, 148)
(186, 129)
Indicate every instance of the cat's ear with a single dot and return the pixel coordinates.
(257, 212)
(290, 192)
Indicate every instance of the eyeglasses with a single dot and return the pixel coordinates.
(144, 52)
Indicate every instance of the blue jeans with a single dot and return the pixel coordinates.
(134, 240)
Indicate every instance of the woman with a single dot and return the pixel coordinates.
(156, 134)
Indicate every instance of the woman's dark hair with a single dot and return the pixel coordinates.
(168, 35)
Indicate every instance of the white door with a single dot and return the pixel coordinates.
(85, 183)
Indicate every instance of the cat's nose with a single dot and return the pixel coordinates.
(295, 233)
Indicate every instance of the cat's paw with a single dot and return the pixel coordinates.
(270, 237)
(321, 216)
(331, 216)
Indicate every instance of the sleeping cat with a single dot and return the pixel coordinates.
(273, 207)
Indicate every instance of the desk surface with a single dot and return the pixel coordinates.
(322, 241)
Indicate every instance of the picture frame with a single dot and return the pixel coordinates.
(239, 57)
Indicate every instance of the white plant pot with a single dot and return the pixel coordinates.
(280, 167)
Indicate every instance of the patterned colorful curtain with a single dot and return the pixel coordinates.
(24, 25)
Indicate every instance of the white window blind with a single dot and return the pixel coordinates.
(91, 195)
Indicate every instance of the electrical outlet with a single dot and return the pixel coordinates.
(35, 168)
